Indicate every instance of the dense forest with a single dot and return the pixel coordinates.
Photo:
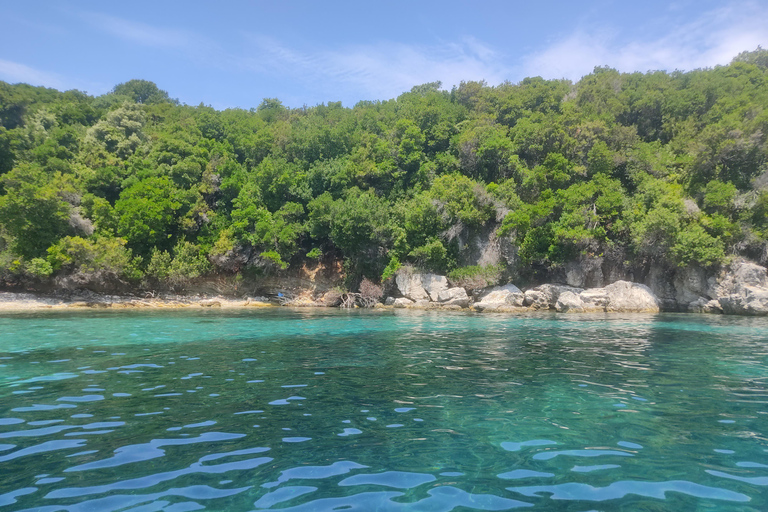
(651, 168)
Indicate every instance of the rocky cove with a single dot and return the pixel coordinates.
(739, 288)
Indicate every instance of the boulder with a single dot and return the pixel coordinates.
(704, 305)
(390, 301)
(433, 284)
(569, 302)
(546, 295)
(497, 297)
(595, 298)
(402, 302)
(751, 300)
(741, 289)
(509, 295)
(624, 296)
(454, 297)
(410, 286)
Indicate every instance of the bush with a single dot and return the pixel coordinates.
(38, 267)
(274, 257)
(475, 277)
(370, 293)
(74, 253)
(391, 269)
(696, 246)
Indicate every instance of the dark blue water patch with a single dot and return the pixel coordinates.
(382, 411)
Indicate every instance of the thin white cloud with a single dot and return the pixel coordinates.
(141, 33)
(382, 70)
(715, 37)
(13, 72)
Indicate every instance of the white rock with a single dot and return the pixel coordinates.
(410, 286)
(594, 297)
(630, 297)
(454, 296)
(752, 300)
(500, 296)
(545, 296)
(402, 302)
(433, 284)
(569, 302)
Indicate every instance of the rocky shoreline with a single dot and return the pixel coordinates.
(739, 289)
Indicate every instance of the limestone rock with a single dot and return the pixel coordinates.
(402, 302)
(704, 305)
(546, 295)
(569, 302)
(454, 296)
(497, 297)
(410, 286)
(742, 289)
(690, 285)
(751, 300)
(390, 301)
(433, 284)
(624, 296)
(595, 298)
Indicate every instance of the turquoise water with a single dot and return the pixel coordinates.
(320, 410)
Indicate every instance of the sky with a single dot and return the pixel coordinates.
(233, 54)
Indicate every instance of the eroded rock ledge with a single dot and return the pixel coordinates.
(740, 289)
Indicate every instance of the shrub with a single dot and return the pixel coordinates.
(476, 276)
(38, 267)
(370, 293)
(391, 269)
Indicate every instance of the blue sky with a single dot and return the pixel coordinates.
(235, 53)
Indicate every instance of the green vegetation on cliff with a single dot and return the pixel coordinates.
(667, 168)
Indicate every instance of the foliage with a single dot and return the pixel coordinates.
(74, 253)
(668, 168)
(476, 276)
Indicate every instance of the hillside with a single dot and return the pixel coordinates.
(616, 174)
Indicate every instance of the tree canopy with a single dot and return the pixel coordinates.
(661, 168)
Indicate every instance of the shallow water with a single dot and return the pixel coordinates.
(308, 410)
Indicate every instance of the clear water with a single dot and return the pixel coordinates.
(382, 411)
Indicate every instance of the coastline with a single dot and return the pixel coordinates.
(21, 302)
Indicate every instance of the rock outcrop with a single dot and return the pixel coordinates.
(499, 298)
(742, 289)
(546, 295)
(631, 297)
(410, 286)
(621, 296)
(434, 284)
(418, 287)
(456, 296)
